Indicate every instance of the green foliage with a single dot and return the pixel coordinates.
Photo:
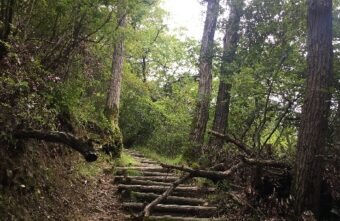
(126, 160)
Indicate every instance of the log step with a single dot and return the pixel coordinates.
(150, 178)
(160, 189)
(196, 210)
(177, 218)
(147, 173)
(145, 160)
(148, 197)
(141, 168)
(136, 154)
(149, 162)
(143, 182)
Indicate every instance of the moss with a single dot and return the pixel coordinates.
(113, 141)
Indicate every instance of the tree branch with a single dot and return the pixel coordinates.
(150, 206)
(241, 146)
(85, 147)
(206, 173)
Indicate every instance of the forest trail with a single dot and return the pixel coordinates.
(141, 183)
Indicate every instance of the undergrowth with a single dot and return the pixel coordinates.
(91, 170)
(178, 159)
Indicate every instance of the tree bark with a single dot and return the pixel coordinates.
(85, 147)
(113, 95)
(230, 41)
(315, 111)
(201, 114)
(336, 135)
(337, 131)
(6, 17)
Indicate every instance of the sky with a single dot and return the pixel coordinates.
(185, 13)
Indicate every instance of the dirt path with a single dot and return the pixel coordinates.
(102, 201)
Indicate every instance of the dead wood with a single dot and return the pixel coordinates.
(206, 173)
(169, 199)
(228, 138)
(265, 163)
(150, 206)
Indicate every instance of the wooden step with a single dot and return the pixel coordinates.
(195, 210)
(149, 162)
(147, 173)
(145, 160)
(136, 154)
(150, 178)
(143, 182)
(177, 218)
(141, 168)
(187, 191)
(148, 197)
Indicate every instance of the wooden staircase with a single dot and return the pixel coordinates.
(149, 180)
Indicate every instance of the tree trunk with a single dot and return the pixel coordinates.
(230, 40)
(336, 135)
(83, 146)
(315, 111)
(337, 130)
(113, 95)
(6, 17)
(201, 114)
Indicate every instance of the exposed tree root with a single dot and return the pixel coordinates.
(85, 147)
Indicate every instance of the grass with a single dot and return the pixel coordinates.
(163, 159)
(91, 170)
(126, 160)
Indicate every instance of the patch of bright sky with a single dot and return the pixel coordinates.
(187, 14)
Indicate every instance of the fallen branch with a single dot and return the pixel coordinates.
(206, 173)
(150, 206)
(241, 146)
(244, 148)
(85, 147)
(192, 201)
(265, 163)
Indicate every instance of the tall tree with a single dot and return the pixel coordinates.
(230, 40)
(201, 114)
(336, 127)
(113, 95)
(6, 17)
(337, 130)
(315, 111)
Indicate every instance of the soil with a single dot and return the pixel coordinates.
(103, 202)
(49, 182)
